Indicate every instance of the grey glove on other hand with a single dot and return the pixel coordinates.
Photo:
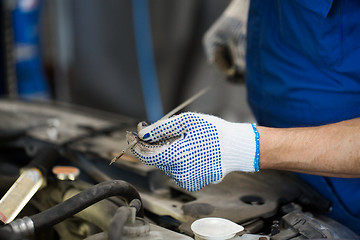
(225, 41)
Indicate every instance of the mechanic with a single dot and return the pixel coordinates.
(303, 84)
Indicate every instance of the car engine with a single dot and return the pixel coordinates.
(56, 183)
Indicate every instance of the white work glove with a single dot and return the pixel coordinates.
(225, 41)
(197, 149)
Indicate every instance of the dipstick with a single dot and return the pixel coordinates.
(123, 152)
(169, 114)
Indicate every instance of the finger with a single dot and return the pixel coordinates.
(131, 137)
(153, 154)
(141, 125)
(212, 38)
(166, 129)
(224, 60)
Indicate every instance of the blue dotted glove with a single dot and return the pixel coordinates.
(197, 149)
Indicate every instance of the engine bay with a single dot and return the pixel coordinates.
(81, 196)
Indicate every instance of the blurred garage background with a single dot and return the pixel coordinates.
(89, 53)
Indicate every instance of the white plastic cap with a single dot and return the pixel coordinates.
(215, 229)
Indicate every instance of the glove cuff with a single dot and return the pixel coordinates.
(240, 148)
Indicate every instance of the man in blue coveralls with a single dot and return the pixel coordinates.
(303, 83)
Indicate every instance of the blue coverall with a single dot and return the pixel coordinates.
(303, 69)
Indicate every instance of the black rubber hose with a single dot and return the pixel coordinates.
(10, 136)
(6, 233)
(7, 182)
(83, 200)
(94, 173)
(136, 203)
(44, 160)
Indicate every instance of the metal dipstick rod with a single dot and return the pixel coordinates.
(169, 114)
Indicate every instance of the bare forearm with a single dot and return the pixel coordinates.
(329, 150)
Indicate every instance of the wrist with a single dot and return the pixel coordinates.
(270, 147)
(240, 147)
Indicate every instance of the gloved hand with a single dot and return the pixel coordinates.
(197, 149)
(225, 41)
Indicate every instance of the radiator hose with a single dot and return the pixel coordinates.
(28, 225)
